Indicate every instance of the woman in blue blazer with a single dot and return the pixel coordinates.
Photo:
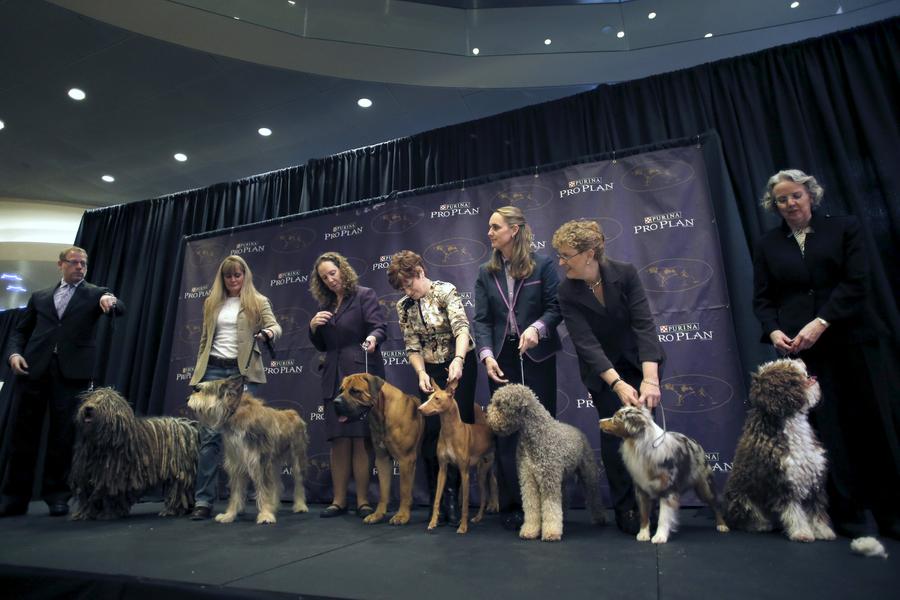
(516, 314)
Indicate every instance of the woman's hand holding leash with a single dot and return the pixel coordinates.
(529, 339)
(370, 344)
(650, 394)
(781, 342)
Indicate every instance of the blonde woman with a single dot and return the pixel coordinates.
(235, 318)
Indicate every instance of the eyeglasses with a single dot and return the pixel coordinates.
(566, 259)
(75, 263)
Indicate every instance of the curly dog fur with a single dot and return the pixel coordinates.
(119, 456)
(779, 465)
(548, 451)
(258, 441)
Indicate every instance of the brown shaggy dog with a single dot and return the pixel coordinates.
(258, 441)
(779, 470)
(119, 456)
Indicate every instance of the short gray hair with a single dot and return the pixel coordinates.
(812, 186)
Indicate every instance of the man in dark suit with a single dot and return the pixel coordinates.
(52, 351)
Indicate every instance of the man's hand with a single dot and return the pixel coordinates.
(107, 302)
(19, 364)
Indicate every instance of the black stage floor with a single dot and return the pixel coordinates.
(145, 556)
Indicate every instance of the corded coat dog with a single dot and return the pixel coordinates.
(258, 440)
(119, 456)
(547, 453)
(463, 445)
(779, 469)
(662, 464)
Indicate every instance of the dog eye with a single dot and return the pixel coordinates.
(196, 388)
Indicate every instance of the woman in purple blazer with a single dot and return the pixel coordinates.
(349, 327)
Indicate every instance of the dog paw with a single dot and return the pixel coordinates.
(225, 517)
(529, 534)
(802, 536)
(722, 528)
(375, 517)
(399, 519)
(300, 507)
(265, 518)
(462, 528)
(643, 535)
(551, 537)
(825, 533)
(660, 538)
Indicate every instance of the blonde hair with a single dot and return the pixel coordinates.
(521, 264)
(812, 186)
(251, 300)
(349, 279)
(582, 235)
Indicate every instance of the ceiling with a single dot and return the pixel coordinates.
(163, 77)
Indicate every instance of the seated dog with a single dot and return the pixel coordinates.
(779, 465)
(547, 453)
(397, 428)
(662, 464)
(118, 456)
(464, 445)
(258, 440)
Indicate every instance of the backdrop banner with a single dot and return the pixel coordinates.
(655, 210)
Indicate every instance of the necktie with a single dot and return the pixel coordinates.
(61, 300)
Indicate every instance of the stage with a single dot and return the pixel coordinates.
(146, 556)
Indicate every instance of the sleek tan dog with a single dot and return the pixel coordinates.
(397, 428)
(465, 445)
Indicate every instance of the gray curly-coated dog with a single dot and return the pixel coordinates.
(548, 451)
(119, 456)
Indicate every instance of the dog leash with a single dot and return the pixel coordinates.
(522, 367)
(365, 347)
(658, 441)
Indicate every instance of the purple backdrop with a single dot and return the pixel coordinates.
(655, 211)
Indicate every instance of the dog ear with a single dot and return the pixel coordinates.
(777, 389)
(375, 383)
(451, 387)
(232, 388)
(434, 384)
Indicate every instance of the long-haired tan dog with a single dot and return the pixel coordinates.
(119, 456)
(258, 441)
(464, 445)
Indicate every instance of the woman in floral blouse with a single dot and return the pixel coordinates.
(436, 333)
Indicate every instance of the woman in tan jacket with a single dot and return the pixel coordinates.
(235, 318)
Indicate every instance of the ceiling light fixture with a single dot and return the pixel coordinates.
(620, 35)
(180, 157)
(291, 2)
(548, 41)
(475, 51)
(651, 15)
(76, 94)
(108, 178)
(264, 131)
(2, 124)
(708, 35)
(795, 4)
(364, 102)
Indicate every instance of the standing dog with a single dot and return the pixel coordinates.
(258, 441)
(547, 453)
(663, 464)
(465, 445)
(397, 428)
(119, 456)
(779, 465)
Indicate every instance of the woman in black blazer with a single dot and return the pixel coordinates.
(810, 278)
(516, 314)
(348, 328)
(609, 322)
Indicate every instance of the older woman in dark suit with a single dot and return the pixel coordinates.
(516, 315)
(609, 322)
(348, 328)
(810, 295)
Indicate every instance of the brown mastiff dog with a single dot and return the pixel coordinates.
(397, 427)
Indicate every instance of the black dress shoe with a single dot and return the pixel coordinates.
(513, 520)
(59, 509)
(628, 521)
(13, 509)
(201, 513)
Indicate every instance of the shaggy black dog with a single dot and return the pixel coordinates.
(779, 465)
(119, 456)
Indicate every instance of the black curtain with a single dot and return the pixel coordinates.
(828, 106)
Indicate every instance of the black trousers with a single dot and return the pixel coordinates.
(541, 378)
(607, 402)
(59, 395)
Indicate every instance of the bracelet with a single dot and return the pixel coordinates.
(612, 386)
(650, 383)
(462, 358)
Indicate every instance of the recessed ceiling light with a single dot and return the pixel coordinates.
(237, 18)
(76, 94)
(2, 124)
(651, 15)
(795, 4)
(708, 35)
(108, 178)
(291, 2)
(180, 157)
(264, 131)
(475, 51)
(620, 35)
(548, 41)
(364, 102)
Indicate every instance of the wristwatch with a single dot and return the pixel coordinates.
(822, 322)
